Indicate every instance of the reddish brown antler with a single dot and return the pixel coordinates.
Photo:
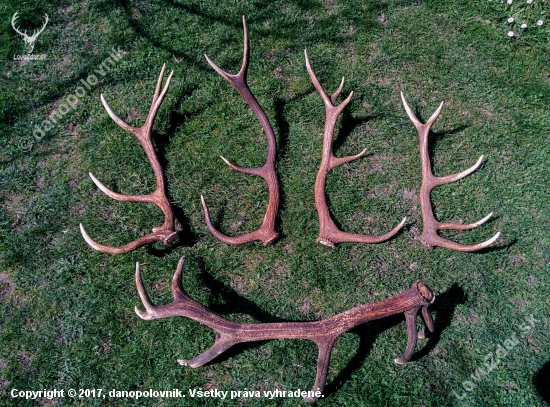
(329, 234)
(165, 233)
(266, 233)
(324, 333)
(429, 236)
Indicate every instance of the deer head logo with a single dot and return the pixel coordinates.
(29, 40)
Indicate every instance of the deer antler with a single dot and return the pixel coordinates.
(324, 333)
(266, 233)
(165, 233)
(429, 236)
(329, 234)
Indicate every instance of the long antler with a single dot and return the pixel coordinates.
(165, 233)
(329, 234)
(429, 236)
(266, 233)
(324, 333)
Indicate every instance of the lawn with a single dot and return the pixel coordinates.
(67, 311)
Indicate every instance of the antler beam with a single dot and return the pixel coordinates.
(324, 333)
(329, 234)
(429, 236)
(165, 233)
(266, 233)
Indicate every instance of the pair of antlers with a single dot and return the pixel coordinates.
(329, 234)
(324, 332)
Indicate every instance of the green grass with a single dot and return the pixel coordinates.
(67, 311)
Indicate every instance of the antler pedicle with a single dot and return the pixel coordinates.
(165, 233)
(324, 333)
(429, 236)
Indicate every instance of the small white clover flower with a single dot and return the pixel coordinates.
(523, 25)
(511, 34)
(509, 1)
(540, 23)
(529, 1)
(511, 20)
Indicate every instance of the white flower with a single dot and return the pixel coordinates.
(509, 1)
(540, 23)
(529, 1)
(523, 25)
(511, 34)
(511, 20)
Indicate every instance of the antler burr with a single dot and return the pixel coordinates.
(429, 236)
(324, 333)
(166, 232)
(266, 233)
(329, 234)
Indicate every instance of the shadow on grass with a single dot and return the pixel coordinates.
(498, 248)
(186, 235)
(262, 14)
(226, 301)
(282, 129)
(349, 123)
(542, 382)
(444, 307)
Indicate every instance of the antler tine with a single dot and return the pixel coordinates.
(449, 244)
(165, 233)
(161, 236)
(149, 313)
(335, 95)
(266, 233)
(116, 119)
(244, 65)
(455, 177)
(417, 123)
(329, 234)
(428, 322)
(158, 99)
(120, 197)
(457, 226)
(324, 333)
(251, 171)
(429, 236)
(328, 100)
(177, 290)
